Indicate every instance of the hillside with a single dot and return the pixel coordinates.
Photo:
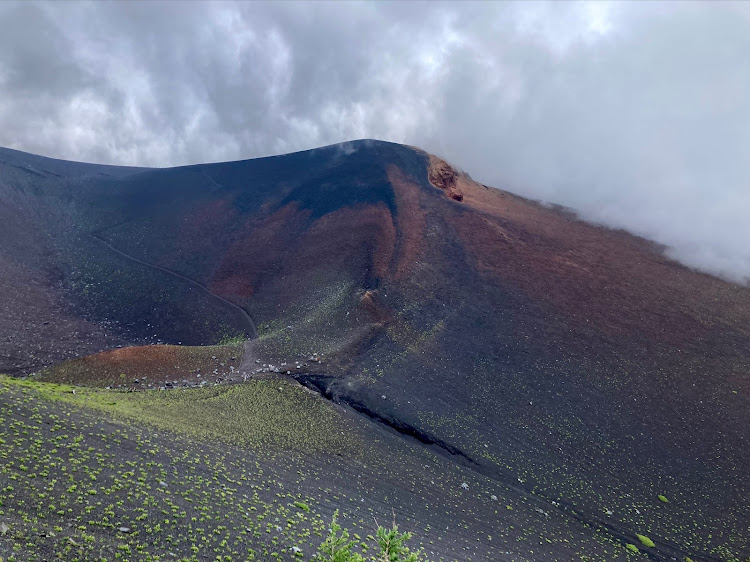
(568, 370)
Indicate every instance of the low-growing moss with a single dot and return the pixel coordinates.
(645, 540)
(264, 414)
(228, 339)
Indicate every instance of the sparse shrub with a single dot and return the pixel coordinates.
(645, 540)
(632, 548)
(337, 547)
(663, 498)
(391, 546)
(228, 339)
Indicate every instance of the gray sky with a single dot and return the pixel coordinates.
(637, 115)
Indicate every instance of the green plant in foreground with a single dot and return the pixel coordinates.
(391, 546)
(337, 547)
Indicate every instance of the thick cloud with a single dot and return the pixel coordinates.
(636, 115)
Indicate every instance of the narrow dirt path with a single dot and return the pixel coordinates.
(251, 324)
(248, 359)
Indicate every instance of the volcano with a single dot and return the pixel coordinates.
(579, 394)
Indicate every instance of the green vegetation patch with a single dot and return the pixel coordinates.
(389, 545)
(74, 486)
(262, 414)
(645, 540)
(229, 339)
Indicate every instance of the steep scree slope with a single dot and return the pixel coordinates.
(575, 362)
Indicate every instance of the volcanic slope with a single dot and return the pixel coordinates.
(566, 362)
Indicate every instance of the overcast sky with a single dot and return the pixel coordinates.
(637, 115)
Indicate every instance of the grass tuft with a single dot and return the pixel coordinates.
(645, 540)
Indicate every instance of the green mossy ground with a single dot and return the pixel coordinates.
(262, 414)
(76, 487)
(242, 472)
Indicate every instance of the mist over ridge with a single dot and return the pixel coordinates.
(632, 114)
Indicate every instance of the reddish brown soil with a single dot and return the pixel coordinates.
(151, 366)
(410, 219)
(443, 176)
(348, 232)
(256, 252)
(617, 282)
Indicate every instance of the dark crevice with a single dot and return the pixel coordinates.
(320, 384)
(662, 552)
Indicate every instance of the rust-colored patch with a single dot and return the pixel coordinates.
(150, 365)
(444, 176)
(376, 309)
(349, 231)
(285, 246)
(410, 221)
(256, 253)
(232, 285)
(596, 281)
(609, 279)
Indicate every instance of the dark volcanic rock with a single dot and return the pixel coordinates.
(562, 358)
